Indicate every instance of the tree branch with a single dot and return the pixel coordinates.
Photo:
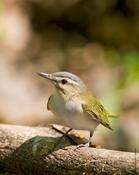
(35, 150)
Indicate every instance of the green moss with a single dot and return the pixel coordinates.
(40, 146)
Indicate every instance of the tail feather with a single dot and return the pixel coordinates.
(107, 126)
(110, 114)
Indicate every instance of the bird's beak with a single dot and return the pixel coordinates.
(48, 76)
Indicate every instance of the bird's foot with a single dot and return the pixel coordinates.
(86, 145)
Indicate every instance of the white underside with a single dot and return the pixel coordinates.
(78, 122)
(71, 114)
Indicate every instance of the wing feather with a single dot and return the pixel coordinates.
(48, 103)
(95, 109)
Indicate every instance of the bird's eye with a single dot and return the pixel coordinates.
(64, 81)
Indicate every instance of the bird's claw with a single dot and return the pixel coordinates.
(86, 145)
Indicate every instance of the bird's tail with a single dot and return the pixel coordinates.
(107, 125)
(112, 115)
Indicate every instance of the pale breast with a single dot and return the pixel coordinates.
(70, 113)
(59, 106)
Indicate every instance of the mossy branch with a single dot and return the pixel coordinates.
(36, 151)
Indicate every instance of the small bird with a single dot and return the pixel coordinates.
(75, 104)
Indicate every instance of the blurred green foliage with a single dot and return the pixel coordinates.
(131, 64)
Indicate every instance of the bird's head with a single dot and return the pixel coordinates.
(66, 83)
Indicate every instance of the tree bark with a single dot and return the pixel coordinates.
(40, 151)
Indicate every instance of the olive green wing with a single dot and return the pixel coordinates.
(48, 103)
(95, 109)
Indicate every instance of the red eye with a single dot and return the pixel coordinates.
(63, 81)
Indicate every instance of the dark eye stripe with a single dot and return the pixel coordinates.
(68, 78)
(67, 75)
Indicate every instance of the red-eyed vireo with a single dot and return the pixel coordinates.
(74, 103)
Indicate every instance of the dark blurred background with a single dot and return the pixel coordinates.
(96, 39)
